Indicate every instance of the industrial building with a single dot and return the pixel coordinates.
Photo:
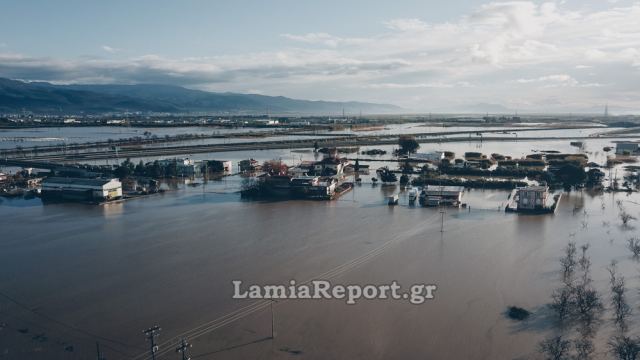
(435, 195)
(82, 189)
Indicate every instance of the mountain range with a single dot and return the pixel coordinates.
(41, 97)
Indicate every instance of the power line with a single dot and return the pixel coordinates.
(99, 355)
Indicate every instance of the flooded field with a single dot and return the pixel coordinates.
(10, 138)
(76, 274)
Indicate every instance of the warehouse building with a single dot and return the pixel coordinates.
(82, 189)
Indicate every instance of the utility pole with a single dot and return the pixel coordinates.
(441, 221)
(273, 328)
(182, 349)
(99, 354)
(151, 334)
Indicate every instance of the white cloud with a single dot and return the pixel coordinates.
(434, 85)
(557, 78)
(110, 49)
(406, 25)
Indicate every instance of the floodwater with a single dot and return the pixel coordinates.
(10, 138)
(73, 275)
(76, 274)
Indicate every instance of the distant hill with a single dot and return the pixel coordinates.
(41, 97)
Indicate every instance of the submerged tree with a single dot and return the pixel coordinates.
(408, 145)
(568, 263)
(619, 303)
(555, 348)
(577, 297)
(625, 348)
(624, 216)
(584, 348)
(586, 297)
(633, 244)
(571, 174)
(561, 303)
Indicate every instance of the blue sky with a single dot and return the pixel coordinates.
(422, 55)
(195, 28)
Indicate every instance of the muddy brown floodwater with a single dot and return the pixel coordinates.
(73, 275)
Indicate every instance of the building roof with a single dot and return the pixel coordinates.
(76, 181)
(445, 188)
(330, 160)
(428, 155)
(534, 188)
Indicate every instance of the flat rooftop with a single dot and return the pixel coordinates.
(76, 181)
(440, 188)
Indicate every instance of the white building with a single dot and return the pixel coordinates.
(267, 121)
(532, 197)
(330, 165)
(82, 189)
(227, 165)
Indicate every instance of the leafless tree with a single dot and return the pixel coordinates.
(624, 216)
(568, 263)
(587, 303)
(584, 348)
(625, 348)
(587, 300)
(618, 299)
(555, 348)
(561, 303)
(633, 244)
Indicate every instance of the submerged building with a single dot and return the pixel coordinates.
(532, 198)
(435, 195)
(81, 189)
(626, 148)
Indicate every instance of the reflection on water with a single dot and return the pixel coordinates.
(111, 210)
